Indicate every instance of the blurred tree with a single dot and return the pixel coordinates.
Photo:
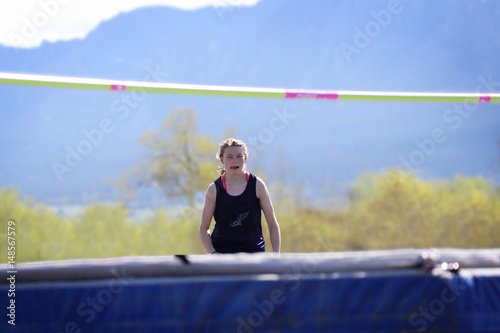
(180, 161)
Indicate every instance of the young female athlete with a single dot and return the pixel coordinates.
(235, 201)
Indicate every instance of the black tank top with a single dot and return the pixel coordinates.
(238, 220)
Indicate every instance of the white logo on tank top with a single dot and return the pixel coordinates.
(239, 220)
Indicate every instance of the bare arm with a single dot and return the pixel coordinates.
(268, 209)
(206, 218)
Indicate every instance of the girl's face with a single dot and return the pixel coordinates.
(233, 159)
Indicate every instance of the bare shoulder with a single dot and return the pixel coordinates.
(211, 191)
(260, 187)
(260, 182)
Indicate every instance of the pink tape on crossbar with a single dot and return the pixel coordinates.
(308, 95)
(485, 98)
(118, 87)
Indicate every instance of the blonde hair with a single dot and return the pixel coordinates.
(230, 143)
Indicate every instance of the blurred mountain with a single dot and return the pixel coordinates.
(313, 143)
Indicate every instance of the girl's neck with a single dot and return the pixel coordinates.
(235, 178)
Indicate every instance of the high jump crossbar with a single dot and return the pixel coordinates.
(176, 88)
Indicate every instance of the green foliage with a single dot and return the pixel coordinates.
(38, 231)
(386, 211)
(392, 211)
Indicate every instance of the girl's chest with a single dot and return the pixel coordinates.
(236, 189)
